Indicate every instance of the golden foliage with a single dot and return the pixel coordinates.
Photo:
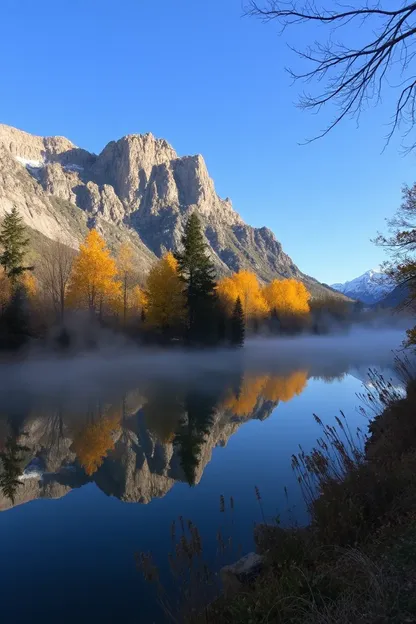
(287, 297)
(94, 275)
(138, 299)
(280, 388)
(165, 296)
(273, 388)
(93, 443)
(30, 284)
(245, 285)
(244, 403)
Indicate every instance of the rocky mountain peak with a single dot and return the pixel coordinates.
(34, 151)
(138, 189)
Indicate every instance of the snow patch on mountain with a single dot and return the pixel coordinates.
(369, 288)
(32, 164)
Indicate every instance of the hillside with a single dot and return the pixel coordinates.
(136, 189)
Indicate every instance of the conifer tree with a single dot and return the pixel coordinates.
(11, 459)
(191, 434)
(14, 242)
(197, 271)
(237, 325)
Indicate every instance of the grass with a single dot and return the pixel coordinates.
(356, 561)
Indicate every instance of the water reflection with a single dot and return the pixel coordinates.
(133, 446)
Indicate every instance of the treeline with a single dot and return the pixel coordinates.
(179, 300)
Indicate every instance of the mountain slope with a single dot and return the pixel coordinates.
(369, 288)
(136, 189)
(395, 298)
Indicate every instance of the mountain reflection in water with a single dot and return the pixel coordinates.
(135, 446)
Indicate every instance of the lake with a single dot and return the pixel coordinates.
(104, 451)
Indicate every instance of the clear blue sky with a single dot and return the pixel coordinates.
(210, 82)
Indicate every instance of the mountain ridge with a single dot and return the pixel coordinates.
(370, 287)
(138, 189)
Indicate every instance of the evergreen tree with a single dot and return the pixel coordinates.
(192, 432)
(11, 459)
(237, 324)
(197, 271)
(15, 324)
(14, 242)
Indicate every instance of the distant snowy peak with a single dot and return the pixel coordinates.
(369, 288)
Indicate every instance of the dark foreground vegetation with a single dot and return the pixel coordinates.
(356, 561)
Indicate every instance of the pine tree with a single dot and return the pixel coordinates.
(14, 242)
(237, 324)
(192, 432)
(11, 460)
(15, 324)
(197, 271)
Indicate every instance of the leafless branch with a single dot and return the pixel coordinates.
(353, 77)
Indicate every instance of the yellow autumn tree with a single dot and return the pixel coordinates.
(93, 280)
(165, 297)
(93, 443)
(270, 387)
(30, 284)
(244, 402)
(287, 297)
(284, 388)
(245, 285)
(138, 300)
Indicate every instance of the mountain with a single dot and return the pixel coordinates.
(139, 468)
(369, 288)
(137, 189)
(395, 298)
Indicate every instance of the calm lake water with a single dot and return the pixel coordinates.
(118, 445)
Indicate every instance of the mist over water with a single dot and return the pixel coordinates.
(120, 441)
(118, 369)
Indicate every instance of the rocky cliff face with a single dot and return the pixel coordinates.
(139, 468)
(138, 189)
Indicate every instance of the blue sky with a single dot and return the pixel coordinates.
(210, 82)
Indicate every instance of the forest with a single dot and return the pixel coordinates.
(180, 300)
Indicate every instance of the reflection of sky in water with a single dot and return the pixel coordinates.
(72, 558)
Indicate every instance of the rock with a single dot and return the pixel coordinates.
(136, 189)
(238, 574)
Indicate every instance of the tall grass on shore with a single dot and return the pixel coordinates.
(347, 566)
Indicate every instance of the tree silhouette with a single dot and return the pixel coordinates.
(237, 325)
(193, 429)
(11, 463)
(197, 272)
(352, 75)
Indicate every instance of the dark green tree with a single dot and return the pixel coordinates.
(198, 274)
(11, 460)
(237, 325)
(14, 242)
(194, 427)
(15, 322)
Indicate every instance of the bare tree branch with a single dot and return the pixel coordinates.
(353, 77)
